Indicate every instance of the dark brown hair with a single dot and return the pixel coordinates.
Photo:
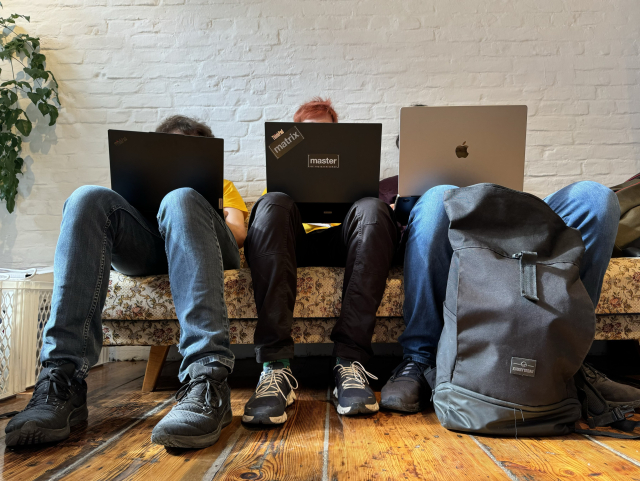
(184, 125)
(315, 108)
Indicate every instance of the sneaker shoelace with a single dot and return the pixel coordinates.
(53, 389)
(409, 368)
(354, 375)
(204, 397)
(270, 381)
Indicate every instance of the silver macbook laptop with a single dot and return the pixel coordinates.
(461, 146)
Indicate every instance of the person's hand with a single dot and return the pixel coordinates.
(226, 213)
(393, 206)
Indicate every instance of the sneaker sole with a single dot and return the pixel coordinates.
(193, 442)
(265, 419)
(30, 433)
(355, 408)
(395, 404)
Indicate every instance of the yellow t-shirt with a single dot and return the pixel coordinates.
(232, 198)
(310, 227)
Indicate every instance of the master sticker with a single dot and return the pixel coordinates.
(286, 142)
(323, 161)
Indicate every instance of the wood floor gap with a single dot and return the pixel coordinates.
(78, 462)
(487, 451)
(609, 448)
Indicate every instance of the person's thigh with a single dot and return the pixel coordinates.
(138, 248)
(594, 210)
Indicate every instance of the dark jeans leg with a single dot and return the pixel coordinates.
(275, 228)
(369, 237)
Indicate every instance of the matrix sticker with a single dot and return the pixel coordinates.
(285, 142)
(324, 161)
(523, 367)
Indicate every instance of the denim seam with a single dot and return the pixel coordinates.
(96, 295)
(213, 216)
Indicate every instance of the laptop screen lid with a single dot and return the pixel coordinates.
(146, 166)
(323, 167)
(461, 146)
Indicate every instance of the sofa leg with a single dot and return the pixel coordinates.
(157, 356)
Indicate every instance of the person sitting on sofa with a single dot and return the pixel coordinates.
(193, 245)
(588, 206)
(277, 243)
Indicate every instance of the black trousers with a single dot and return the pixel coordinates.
(277, 244)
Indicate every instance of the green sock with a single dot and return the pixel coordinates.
(285, 362)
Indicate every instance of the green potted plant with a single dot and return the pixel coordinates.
(22, 64)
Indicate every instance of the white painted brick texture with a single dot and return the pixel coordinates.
(237, 63)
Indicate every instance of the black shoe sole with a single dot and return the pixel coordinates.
(267, 418)
(193, 442)
(395, 404)
(354, 408)
(30, 433)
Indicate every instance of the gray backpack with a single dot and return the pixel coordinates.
(518, 321)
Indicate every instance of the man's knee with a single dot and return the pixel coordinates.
(598, 199)
(181, 202)
(277, 199)
(270, 206)
(90, 199)
(432, 201)
(372, 207)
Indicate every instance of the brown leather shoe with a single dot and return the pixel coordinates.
(615, 393)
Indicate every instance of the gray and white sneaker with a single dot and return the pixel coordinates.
(203, 409)
(352, 394)
(274, 393)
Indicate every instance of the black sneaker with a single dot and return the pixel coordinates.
(203, 409)
(407, 389)
(273, 394)
(58, 403)
(352, 394)
(615, 393)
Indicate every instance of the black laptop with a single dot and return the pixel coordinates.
(147, 166)
(324, 168)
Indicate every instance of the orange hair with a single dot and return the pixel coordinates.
(315, 108)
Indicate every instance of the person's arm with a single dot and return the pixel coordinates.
(235, 220)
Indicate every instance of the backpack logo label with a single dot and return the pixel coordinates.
(323, 161)
(523, 367)
(285, 142)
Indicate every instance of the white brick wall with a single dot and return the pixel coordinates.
(236, 63)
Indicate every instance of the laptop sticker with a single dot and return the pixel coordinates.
(323, 161)
(285, 142)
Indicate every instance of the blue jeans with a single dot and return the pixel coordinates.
(590, 207)
(190, 242)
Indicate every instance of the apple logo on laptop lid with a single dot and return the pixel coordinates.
(461, 150)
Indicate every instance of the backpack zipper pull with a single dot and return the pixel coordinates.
(528, 277)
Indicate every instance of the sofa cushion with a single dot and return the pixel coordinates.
(319, 295)
(307, 331)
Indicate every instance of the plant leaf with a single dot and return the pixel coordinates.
(24, 127)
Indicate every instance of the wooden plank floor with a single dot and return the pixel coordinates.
(314, 444)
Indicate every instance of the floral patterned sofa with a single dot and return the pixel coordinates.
(139, 311)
